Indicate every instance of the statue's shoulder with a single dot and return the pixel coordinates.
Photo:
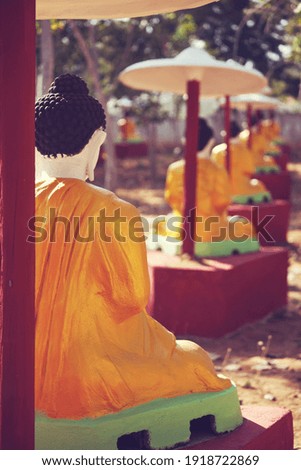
(220, 148)
(244, 135)
(84, 195)
(105, 198)
(177, 166)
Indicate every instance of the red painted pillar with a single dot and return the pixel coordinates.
(259, 117)
(193, 92)
(17, 96)
(249, 119)
(227, 134)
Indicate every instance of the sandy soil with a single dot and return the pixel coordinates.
(263, 358)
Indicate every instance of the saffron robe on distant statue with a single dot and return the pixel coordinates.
(242, 168)
(97, 350)
(213, 196)
(260, 145)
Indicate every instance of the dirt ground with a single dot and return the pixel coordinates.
(263, 358)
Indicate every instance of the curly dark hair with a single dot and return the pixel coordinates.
(66, 117)
(205, 133)
(235, 129)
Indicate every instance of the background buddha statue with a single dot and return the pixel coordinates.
(97, 350)
(271, 129)
(127, 128)
(278, 147)
(259, 148)
(213, 196)
(244, 188)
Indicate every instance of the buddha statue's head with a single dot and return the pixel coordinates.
(69, 130)
(235, 129)
(205, 138)
(256, 120)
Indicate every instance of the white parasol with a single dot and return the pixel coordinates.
(110, 9)
(218, 78)
(256, 100)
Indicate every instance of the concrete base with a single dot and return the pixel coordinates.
(263, 428)
(279, 184)
(276, 228)
(215, 296)
(131, 149)
(158, 424)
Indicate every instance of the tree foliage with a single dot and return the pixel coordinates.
(118, 44)
(257, 31)
(264, 32)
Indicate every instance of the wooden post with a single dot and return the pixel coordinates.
(249, 118)
(227, 135)
(17, 96)
(193, 92)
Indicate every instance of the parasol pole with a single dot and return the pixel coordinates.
(190, 176)
(259, 126)
(227, 133)
(17, 97)
(249, 119)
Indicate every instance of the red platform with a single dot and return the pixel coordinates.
(279, 184)
(215, 296)
(276, 213)
(131, 149)
(263, 428)
(283, 159)
(285, 156)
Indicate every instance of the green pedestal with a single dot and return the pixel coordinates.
(160, 424)
(252, 198)
(267, 169)
(174, 247)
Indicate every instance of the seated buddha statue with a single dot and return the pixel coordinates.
(271, 129)
(279, 148)
(244, 188)
(98, 352)
(127, 128)
(260, 145)
(214, 229)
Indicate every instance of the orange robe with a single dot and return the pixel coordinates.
(242, 168)
(127, 129)
(97, 350)
(270, 129)
(213, 196)
(260, 145)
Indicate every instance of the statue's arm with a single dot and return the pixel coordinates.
(122, 252)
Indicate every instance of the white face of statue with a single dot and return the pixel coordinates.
(80, 166)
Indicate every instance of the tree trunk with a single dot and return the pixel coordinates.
(47, 55)
(111, 161)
